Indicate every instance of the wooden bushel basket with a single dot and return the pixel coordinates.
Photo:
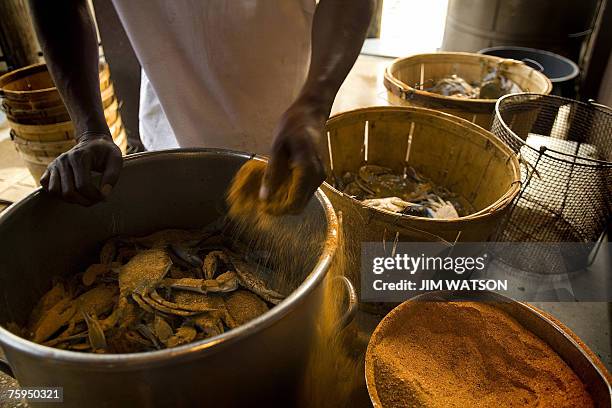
(54, 132)
(29, 96)
(450, 151)
(40, 125)
(407, 78)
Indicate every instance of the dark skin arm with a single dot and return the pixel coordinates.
(339, 29)
(68, 39)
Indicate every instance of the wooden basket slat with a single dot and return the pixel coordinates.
(324, 153)
(347, 146)
(387, 143)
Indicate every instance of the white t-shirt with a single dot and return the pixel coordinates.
(222, 71)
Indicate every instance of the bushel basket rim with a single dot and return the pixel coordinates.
(401, 88)
(33, 69)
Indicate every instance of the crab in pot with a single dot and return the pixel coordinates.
(163, 290)
(69, 312)
(231, 311)
(139, 280)
(243, 275)
(249, 280)
(212, 261)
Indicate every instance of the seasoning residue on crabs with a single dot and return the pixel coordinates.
(408, 193)
(163, 290)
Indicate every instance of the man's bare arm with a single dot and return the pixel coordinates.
(339, 29)
(338, 32)
(68, 39)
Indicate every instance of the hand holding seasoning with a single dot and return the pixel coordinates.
(244, 197)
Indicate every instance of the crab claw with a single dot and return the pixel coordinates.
(211, 263)
(442, 209)
(253, 283)
(226, 282)
(95, 333)
(182, 257)
(183, 335)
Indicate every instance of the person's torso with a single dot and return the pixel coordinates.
(224, 71)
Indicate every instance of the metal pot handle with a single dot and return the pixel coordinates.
(4, 366)
(351, 295)
(533, 64)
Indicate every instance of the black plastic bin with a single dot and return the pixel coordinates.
(561, 71)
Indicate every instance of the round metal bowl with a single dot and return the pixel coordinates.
(558, 338)
(43, 237)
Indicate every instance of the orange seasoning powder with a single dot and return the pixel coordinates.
(467, 354)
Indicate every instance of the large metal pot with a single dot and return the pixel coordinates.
(261, 361)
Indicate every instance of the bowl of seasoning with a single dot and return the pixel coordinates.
(449, 349)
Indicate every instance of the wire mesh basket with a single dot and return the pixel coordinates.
(565, 150)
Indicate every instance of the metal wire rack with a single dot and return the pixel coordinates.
(565, 150)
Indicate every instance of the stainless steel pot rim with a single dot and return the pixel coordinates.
(196, 349)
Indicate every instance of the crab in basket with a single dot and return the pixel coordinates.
(162, 290)
(408, 193)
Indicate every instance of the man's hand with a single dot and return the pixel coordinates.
(338, 30)
(69, 41)
(295, 165)
(69, 176)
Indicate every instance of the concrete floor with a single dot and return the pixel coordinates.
(364, 85)
(589, 320)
